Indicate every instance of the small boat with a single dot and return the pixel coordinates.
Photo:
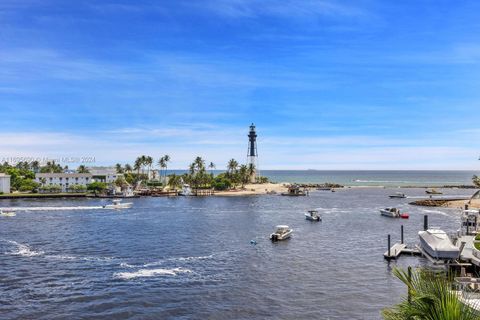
(324, 189)
(295, 191)
(186, 190)
(398, 195)
(118, 204)
(5, 213)
(390, 212)
(433, 191)
(282, 232)
(313, 215)
(437, 244)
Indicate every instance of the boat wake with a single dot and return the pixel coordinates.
(53, 208)
(147, 273)
(435, 212)
(23, 250)
(163, 261)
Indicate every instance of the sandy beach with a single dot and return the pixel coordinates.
(474, 204)
(255, 189)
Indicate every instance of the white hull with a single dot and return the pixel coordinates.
(8, 214)
(118, 206)
(280, 236)
(437, 244)
(388, 213)
(309, 217)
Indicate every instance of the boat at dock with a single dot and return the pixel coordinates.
(118, 204)
(393, 213)
(186, 191)
(282, 232)
(433, 191)
(7, 213)
(398, 195)
(437, 244)
(313, 215)
(295, 191)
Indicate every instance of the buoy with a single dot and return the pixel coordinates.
(253, 242)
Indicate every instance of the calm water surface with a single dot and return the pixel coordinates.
(191, 258)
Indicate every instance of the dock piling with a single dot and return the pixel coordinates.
(401, 233)
(389, 246)
(425, 222)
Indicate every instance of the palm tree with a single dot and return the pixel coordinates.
(166, 159)
(82, 169)
(137, 165)
(119, 168)
(128, 168)
(148, 162)
(35, 165)
(174, 181)
(232, 166)
(243, 175)
(211, 166)
(161, 164)
(430, 296)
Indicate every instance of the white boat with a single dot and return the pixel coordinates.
(282, 232)
(5, 213)
(437, 244)
(470, 222)
(398, 195)
(390, 212)
(313, 215)
(186, 191)
(118, 204)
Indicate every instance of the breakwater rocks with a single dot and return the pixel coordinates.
(318, 185)
(434, 202)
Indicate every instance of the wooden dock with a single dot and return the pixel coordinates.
(398, 249)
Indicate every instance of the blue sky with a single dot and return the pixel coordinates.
(329, 84)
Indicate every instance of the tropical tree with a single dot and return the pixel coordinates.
(148, 162)
(476, 181)
(166, 158)
(174, 181)
(232, 167)
(82, 169)
(97, 187)
(243, 175)
(162, 164)
(119, 168)
(35, 165)
(211, 166)
(128, 168)
(137, 165)
(430, 296)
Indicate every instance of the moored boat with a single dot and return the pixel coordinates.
(118, 204)
(282, 232)
(433, 191)
(398, 195)
(437, 244)
(313, 215)
(390, 212)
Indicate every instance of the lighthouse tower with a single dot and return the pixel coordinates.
(252, 154)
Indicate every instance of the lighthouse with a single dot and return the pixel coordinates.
(252, 153)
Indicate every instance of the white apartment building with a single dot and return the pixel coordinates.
(64, 180)
(4, 183)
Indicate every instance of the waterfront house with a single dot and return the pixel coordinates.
(4, 183)
(104, 174)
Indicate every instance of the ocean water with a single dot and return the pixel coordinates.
(192, 257)
(388, 178)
